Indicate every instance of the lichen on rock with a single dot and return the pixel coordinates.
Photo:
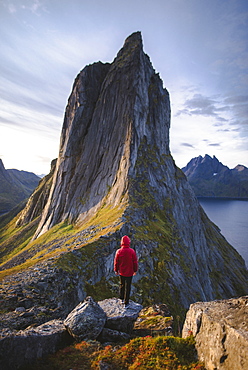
(220, 329)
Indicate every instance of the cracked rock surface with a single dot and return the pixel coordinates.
(221, 332)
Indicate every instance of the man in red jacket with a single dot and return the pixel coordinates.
(125, 265)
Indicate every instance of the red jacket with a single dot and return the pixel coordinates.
(125, 262)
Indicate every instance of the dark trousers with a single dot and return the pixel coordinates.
(125, 288)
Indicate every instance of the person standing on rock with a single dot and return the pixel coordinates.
(125, 265)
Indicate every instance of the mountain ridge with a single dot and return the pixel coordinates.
(15, 186)
(210, 178)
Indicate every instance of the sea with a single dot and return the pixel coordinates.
(231, 216)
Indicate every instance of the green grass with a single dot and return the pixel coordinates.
(58, 239)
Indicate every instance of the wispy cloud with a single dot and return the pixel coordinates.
(34, 6)
(11, 8)
(214, 144)
(188, 145)
(239, 106)
(203, 106)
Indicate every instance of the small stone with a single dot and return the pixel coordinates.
(20, 309)
(109, 335)
(27, 314)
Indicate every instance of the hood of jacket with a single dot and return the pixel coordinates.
(125, 241)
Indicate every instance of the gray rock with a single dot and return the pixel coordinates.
(20, 309)
(118, 317)
(110, 335)
(104, 366)
(27, 303)
(86, 321)
(24, 347)
(220, 329)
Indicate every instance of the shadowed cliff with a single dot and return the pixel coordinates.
(115, 175)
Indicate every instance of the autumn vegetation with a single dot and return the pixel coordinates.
(161, 352)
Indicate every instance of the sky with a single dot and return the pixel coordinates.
(199, 48)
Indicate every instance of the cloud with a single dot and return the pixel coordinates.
(188, 145)
(31, 5)
(239, 104)
(214, 144)
(200, 105)
(11, 8)
(237, 99)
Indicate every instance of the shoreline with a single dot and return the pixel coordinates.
(217, 197)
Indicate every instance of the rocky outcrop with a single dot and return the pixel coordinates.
(45, 292)
(115, 175)
(119, 318)
(24, 347)
(15, 186)
(86, 321)
(210, 178)
(220, 329)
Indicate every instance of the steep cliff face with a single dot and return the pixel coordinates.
(114, 153)
(111, 111)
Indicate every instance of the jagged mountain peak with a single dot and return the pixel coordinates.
(132, 43)
(110, 113)
(210, 178)
(204, 167)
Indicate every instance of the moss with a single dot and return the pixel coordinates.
(154, 321)
(106, 216)
(16, 241)
(83, 261)
(99, 291)
(156, 224)
(57, 240)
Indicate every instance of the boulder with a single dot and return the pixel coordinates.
(21, 348)
(118, 317)
(220, 329)
(86, 321)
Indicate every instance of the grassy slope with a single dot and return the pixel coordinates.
(17, 252)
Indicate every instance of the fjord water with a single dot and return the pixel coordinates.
(231, 216)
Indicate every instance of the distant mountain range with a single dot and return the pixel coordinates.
(210, 178)
(15, 186)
